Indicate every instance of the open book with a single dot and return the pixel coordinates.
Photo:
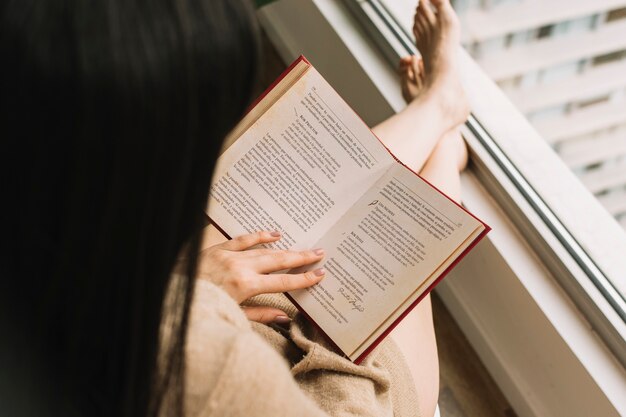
(303, 163)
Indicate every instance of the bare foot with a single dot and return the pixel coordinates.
(411, 69)
(437, 33)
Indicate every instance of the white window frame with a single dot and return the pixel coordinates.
(543, 352)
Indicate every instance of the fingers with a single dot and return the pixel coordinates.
(269, 260)
(266, 315)
(244, 242)
(241, 271)
(288, 282)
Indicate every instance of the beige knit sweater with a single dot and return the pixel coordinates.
(237, 368)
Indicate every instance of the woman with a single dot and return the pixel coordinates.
(112, 116)
(425, 136)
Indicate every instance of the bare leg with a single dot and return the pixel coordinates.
(425, 136)
(446, 162)
(413, 133)
(431, 86)
(415, 335)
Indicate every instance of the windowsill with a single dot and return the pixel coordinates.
(539, 348)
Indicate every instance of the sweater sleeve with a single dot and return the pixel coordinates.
(234, 371)
(381, 385)
(230, 370)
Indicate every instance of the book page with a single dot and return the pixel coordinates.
(417, 294)
(383, 252)
(298, 168)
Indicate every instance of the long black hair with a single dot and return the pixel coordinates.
(112, 114)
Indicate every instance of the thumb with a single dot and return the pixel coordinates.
(266, 315)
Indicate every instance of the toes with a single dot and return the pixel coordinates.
(424, 7)
(417, 68)
(417, 30)
(407, 75)
(403, 64)
(412, 68)
(411, 81)
(445, 12)
(439, 4)
(415, 64)
(421, 28)
(410, 74)
(404, 87)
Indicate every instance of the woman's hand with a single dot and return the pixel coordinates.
(243, 272)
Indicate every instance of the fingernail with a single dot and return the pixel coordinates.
(319, 272)
(282, 319)
(275, 234)
(318, 251)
